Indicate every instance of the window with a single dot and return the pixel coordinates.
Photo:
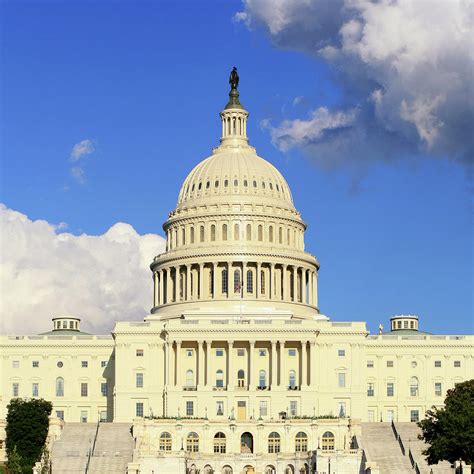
(192, 442)
(139, 380)
(438, 389)
(224, 232)
(15, 364)
(189, 378)
(341, 353)
(341, 379)
(262, 352)
(327, 441)
(301, 442)
(139, 353)
(219, 408)
(139, 409)
(342, 409)
(103, 415)
(241, 378)
(201, 233)
(293, 408)
(262, 379)
(219, 443)
(389, 363)
(59, 364)
(262, 281)
(260, 233)
(437, 363)
(274, 442)
(237, 284)
(60, 387)
(405, 324)
(270, 233)
(236, 232)
(371, 416)
(236, 182)
(192, 235)
(189, 408)
(292, 379)
(370, 389)
(183, 236)
(249, 232)
(249, 281)
(292, 352)
(280, 235)
(189, 352)
(413, 387)
(224, 281)
(35, 363)
(263, 408)
(103, 363)
(84, 389)
(84, 364)
(60, 414)
(457, 363)
(241, 352)
(15, 389)
(104, 390)
(165, 441)
(83, 416)
(219, 378)
(370, 364)
(226, 183)
(414, 416)
(219, 352)
(390, 389)
(213, 232)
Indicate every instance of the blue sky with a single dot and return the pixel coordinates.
(145, 81)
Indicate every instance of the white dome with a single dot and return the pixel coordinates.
(237, 174)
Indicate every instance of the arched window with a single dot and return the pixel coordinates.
(262, 379)
(262, 281)
(328, 441)
(241, 378)
(213, 232)
(260, 233)
(216, 184)
(292, 287)
(236, 182)
(414, 387)
(165, 441)
(219, 442)
(219, 378)
(211, 282)
(192, 442)
(280, 235)
(224, 232)
(301, 442)
(288, 237)
(270, 234)
(208, 185)
(292, 379)
(273, 442)
(226, 183)
(189, 378)
(201, 234)
(181, 285)
(255, 184)
(183, 236)
(249, 281)
(192, 235)
(236, 232)
(60, 387)
(249, 232)
(224, 281)
(237, 283)
(245, 183)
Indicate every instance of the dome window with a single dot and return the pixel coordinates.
(192, 189)
(278, 187)
(208, 185)
(245, 183)
(199, 186)
(263, 184)
(255, 184)
(226, 183)
(216, 184)
(236, 182)
(271, 186)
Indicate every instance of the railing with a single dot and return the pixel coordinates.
(414, 465)
(91, 450)
(398, 438)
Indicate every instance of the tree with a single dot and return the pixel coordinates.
(26, 430)
(15, 463)
(450, 430)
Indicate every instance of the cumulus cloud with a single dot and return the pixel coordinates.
(86, 147)
(404, 65)
(44, 273)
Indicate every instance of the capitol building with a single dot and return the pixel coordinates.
(235, 369)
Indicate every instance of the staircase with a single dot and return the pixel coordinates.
(409, 433)
(381, 447)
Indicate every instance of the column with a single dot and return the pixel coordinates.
(188, 282)
(251, 355)
(161, 288)
(178, 282)
(295, 283)
(302, 286)
(200, 366)
(169, 290)
(208, 363)
(304, 365)
(244, 279)
(258, 280)
(315, 286)
(285, 283)
(177, 380)
(273, 367)
(230, 366)
(312, 364)
(230, 279)
(167, 363)
(201, 281)
(281, 380)
(214, 280)
(155, 289)
(271, 290)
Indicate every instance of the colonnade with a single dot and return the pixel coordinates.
(204, 281)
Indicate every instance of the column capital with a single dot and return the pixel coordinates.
(230, 343)
(274, 343)
(252, 343)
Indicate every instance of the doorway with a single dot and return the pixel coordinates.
(246, 443)
(241, 410)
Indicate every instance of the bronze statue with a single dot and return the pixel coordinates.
(234, 79)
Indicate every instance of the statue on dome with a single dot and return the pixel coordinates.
(234, 78)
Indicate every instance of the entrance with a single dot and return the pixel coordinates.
(246, 443)
(241, 410)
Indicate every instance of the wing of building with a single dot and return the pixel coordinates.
(235, 369)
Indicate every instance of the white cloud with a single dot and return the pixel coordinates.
(44, 274)
(406, 64)
(78, 174)
(85, 147)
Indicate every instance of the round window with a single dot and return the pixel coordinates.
(59, 364)
(414, 364)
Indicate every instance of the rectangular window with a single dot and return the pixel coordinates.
(437, 363)
(139, 409)
(341, 353)
(35, 364)
(438, 389)
(414, 416)
(390, 415)
(262, 352)
(60, 414)
(189, 352)
(139, 353)
(370, 389)
(341, 379)
(15, 389)
(263, 408)
(241, 352)
(370, 364)
(219, 408)
(342, 409)
(189, 408)
(457, 363)
(293, 408)
(219, 352)
(35, 389)
(103, 363)
(16, 364)
(292, 352)
(103, 415)
(371, 416)
(104, 389)
(389, 363)
(84, 389)
(139, 380)
(390, 389)
(84, 416)
(84, 364)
